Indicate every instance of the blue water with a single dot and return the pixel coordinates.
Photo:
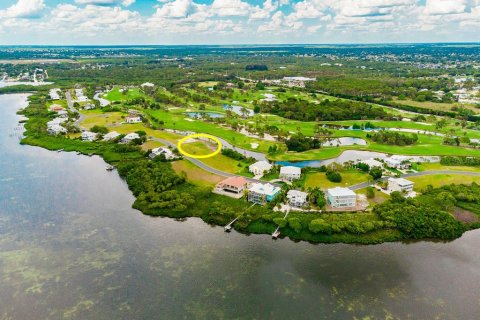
(199, 115)
(71, 247)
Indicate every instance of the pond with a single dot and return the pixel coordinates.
(348, 155)
(200, 115)
(241, 111)
(71, 247)
(344, 141)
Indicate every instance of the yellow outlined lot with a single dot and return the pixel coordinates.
(199, 135)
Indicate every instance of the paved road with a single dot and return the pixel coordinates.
(73, 110)
(207, 168)
(417, 174)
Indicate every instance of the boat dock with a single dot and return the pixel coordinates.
(229, 227)
(276, 233)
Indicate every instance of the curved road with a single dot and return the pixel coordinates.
(207, 168)
(73, 110)
(417, 174)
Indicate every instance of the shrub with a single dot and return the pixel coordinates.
(334, 176)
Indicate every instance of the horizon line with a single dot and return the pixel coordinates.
(238, 44)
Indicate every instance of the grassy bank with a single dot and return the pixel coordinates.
(181, 190)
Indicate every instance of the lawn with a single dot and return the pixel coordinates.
(176, 120)
(438, 180)
(152, 144)
(196, 175)
(218, 161)
(434, 105)
(438, 166)
(99, 118)
(380, 197)
(116, 95)
(349, 177)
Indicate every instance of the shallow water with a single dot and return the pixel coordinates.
(199, 115)
(71, 247)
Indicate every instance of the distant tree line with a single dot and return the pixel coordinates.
(327, 110)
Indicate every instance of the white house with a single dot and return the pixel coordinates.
(260, 167)
(56, 129)
(400, 185)
(372, 163)
(133, 119)
(62, 113)
(290, 173)
(297, 198)
(89, 136)
(147, 84)
(261, 193)
(161, 150)
(54, 94)
(398, 162)
(341, 198)
(130, 137)
(56, 121)
(89, 106)
(80, 96)
(110, 136)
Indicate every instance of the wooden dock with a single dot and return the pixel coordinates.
(229, 227)
(276, 233)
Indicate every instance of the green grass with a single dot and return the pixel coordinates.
(438, 166)
(349, 177)
(434, 105)
(439, 180)
(196, 175)
(106, 119)
(116, 95)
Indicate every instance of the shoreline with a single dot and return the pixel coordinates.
(260, 222)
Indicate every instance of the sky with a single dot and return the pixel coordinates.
(158, 22)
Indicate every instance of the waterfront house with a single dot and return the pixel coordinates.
(261, 193)
(111, 136)
(62, 114)
(56, 121)
(400, 185)
(56, 129)
(162, 150)
(290, 173)
(89, 136)
(234, 185)
(130, 137)
(297, 198)
(260, 167)
(54, 94)
(341, 198)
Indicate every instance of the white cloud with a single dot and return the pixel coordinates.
(441, 7)
(93, 19)
(240, 20)
(230, 8)
(176, 9)
(125, 3)
(24, 9)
